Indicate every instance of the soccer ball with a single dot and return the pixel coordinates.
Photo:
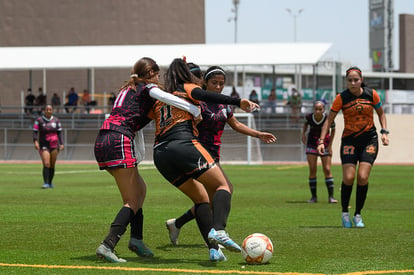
(257, 248)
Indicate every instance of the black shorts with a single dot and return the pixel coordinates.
(179, 160)
(359, 150)
(114, 150)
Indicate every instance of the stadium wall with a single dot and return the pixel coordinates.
(80, 141)
(401, 148)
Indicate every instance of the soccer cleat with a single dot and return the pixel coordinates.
(107, 254)
(221, 237)
(51, 185)
(173, 231)
(332, 200)
(45, 185)
(312, 200)
(358, 221)
(140, 248)
(346, 221)
(216, 255)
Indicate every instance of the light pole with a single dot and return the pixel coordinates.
(294, 15)
(235, 10)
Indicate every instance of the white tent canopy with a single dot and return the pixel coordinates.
(90, 57)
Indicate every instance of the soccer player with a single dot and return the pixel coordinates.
(359, 143)
(210, 130)
(184, 162)
(48, 140)
(115, 152)
(314, 121)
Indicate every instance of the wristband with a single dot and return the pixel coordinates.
(384, 131)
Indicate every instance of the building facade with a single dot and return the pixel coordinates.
(91, 22)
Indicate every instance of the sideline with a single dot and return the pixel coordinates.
(176, 270)
(171, 270)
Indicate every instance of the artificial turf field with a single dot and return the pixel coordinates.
(56, 231)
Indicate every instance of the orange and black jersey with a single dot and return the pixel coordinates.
(358, 111)
(173, 123)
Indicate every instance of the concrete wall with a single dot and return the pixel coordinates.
(401, 148)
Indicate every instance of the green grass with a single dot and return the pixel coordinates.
(57, 231)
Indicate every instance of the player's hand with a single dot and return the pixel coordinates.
(249, 106)
(304, 139)
(61, 147)
(267, 137)
(385, 140)
(321, 148)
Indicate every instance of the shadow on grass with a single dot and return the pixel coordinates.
(159, 261)
(320, 226)
(298, 202)
(136, 259)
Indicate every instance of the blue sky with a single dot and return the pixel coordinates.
(342, 23)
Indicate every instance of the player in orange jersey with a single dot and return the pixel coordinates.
(359, 139)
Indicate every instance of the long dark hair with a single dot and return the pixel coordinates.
(177, 74)
(143, 71)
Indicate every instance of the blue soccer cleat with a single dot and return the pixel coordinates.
(216, 255)
(221, 237)
(346, 220)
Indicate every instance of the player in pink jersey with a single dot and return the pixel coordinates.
(115, 152)
(48, 140)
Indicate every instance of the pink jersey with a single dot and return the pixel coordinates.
(130, 110)
(48, 132)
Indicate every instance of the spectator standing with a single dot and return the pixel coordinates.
(29, 102)
(295, 103)
(254, 96)
(86, 100)
(40, 101)
(234, 94)
(55, 101)
(111, 99)
(271, 101)
(72, 101)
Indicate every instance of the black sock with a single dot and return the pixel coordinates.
(51, 174)
(137, 225)
(329, 182)
(361, 195)
(221, 209)
(204, 220)
(346, 191)
(46, 173)
(185, 218)
(118, 227)
(312, 186)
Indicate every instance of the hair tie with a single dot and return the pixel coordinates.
(184, 59)
(134, 75)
